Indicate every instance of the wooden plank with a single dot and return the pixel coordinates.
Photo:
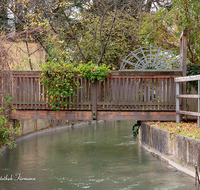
(44, 114)
(187, 79)
(37, 91)
(87, 115)
(141, 90)
(156, 93)
(145, 92)
(187, 96)
(172, 92)
(133, 92)
(133, 103)
(94, 100)
(160, 92)
(26, 90)
(137, 115)
(187, 113)
(164, 93)
(149, 94)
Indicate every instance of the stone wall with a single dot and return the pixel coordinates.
(180, 149)
(31, 125)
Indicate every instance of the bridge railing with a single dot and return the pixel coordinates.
(128, 91)
(178, 97)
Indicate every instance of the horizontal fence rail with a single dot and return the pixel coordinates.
(178, 97)
(119, 92)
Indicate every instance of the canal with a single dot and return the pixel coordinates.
(97, 156)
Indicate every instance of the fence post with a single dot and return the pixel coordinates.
(177, 103)
(198, 103)
(94, 100)
(183, 55)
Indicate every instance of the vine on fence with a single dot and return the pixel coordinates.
(59, 78)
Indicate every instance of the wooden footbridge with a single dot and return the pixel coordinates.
(126, 95)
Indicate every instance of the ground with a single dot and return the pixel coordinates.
(189, 128)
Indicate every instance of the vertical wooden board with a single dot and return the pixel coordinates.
(88, 92)
(77, 93)
(121, 89)
(105, 90)
(117, 88)
(37, 92)
(149, 93)
(168, 94)
(172, 93)
(152, 91)
(129, 89)
(21, 91)
(102, 91)
(83, 95)
(145, 93)
(41, 95)
(137, 90)
(34, 91)
(126, 90)
(113, 89)
(26, 90)
(141, 91)
(164, 93)
(80, 94)
(160, 90)
(14, 90)
(156, 91)
(110, 89)
(133, 91)
(145, 90)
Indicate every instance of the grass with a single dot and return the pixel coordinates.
(189, 129)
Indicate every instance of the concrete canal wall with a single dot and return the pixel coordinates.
(179, 151)
(32, 125)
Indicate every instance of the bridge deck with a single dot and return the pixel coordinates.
(123, 96)
(101, 115)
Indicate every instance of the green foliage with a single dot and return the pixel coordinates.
(59, 80)
(93, 72)
(7, 131)
(136, 130)
(165, 27)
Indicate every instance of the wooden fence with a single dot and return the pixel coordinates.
(178, 97)
(123, 91)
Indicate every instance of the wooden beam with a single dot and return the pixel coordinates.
(135, 115)
(44, 114)
(187, 79)
(101, 115)
(187, 96)
(187, 113)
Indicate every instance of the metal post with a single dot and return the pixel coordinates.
(198, 103)
(177, 103)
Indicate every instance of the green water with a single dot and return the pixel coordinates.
(100, 156)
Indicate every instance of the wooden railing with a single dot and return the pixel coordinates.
(130, 91)
(178, 97)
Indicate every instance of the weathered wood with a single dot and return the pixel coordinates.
(87, 115)
(94, 100)
(137, 92)
(187, 96)
(43, 114)
(125, 115)
(187, 79)
(187, 113)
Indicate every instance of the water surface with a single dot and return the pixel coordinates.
(100, 156)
